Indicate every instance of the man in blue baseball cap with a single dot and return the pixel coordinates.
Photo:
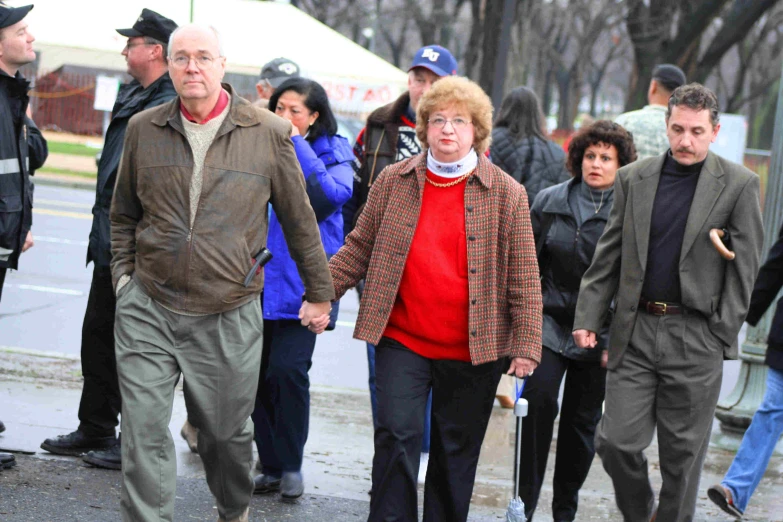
(390, 133)
(389, 137)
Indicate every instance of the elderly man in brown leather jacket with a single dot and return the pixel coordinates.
(189, 213)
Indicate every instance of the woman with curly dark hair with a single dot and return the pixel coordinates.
(568, 219)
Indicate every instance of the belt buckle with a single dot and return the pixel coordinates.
(663, 307)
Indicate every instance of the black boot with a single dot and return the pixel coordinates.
(110, 458)
(77, 443)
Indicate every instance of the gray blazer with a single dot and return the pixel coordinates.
(727, 196)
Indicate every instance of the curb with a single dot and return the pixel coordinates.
(52, 181)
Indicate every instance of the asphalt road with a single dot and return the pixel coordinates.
(44, 301)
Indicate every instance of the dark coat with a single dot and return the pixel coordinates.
(534, 162)
(727, 196)
(22, 150)
(566, 255)
(132, 99)
(768, 284)
(376, 148)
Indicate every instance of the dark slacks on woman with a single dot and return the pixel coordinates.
(462, 399)
(585, 386)
(282, 411)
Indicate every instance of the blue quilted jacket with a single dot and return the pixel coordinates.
(326, 164)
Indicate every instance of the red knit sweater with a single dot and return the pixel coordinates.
(430, 314)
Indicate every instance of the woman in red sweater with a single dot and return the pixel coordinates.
(452, 299)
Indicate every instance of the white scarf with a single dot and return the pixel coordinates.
(452, 170)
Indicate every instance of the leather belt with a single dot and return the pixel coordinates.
(660, 308)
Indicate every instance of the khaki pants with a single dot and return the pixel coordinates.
(219, 356)
(669, 377)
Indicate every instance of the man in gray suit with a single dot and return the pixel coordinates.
(679, 305)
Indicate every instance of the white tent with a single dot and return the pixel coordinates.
(82, 32)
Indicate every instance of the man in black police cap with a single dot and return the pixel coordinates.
(272, 75)
(22, 148)
(145, 54)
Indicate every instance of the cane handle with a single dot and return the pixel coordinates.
(715, 236)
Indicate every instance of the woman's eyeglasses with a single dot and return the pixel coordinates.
(456, 123)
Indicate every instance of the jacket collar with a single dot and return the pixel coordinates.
(332, 149)
(17, 83)
(133, 94)
(240, 114)
(391, 113)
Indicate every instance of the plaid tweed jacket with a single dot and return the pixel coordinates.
(504, 286)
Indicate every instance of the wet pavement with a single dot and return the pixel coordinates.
(39, 398)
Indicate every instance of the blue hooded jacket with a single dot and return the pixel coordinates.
(326, 164)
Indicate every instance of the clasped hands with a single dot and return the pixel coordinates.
(315, 316)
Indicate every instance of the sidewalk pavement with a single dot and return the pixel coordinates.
(39, 398)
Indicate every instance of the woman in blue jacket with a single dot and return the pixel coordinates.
(282, 409)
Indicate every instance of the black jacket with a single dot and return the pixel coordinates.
(534, 162)
(565, 257)
(22, 150)
(131, 100)
(378, 149)
(768, 284)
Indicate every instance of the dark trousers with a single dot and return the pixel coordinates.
(462, 399)
(667, 382)
(585, 385)
(282, 412)
(2, 281)
(100, 405)
(425, 440)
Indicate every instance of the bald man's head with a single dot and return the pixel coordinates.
(196, 62)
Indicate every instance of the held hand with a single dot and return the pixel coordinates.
(522, 367)
(314, 313)
(585, 339)
(28, 242)
(319, 324)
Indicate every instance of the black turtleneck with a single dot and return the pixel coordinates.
(667, 229)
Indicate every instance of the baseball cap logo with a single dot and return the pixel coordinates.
(431, 54)
(287, 68)
(141, 19)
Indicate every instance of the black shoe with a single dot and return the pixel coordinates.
(109, 459)
(2, 427)
(292, 485)
(721, 496)
(7, 460)
(265, 484)
(77, 443)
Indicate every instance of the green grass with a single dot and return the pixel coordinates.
(74, 149)
(66, 172)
